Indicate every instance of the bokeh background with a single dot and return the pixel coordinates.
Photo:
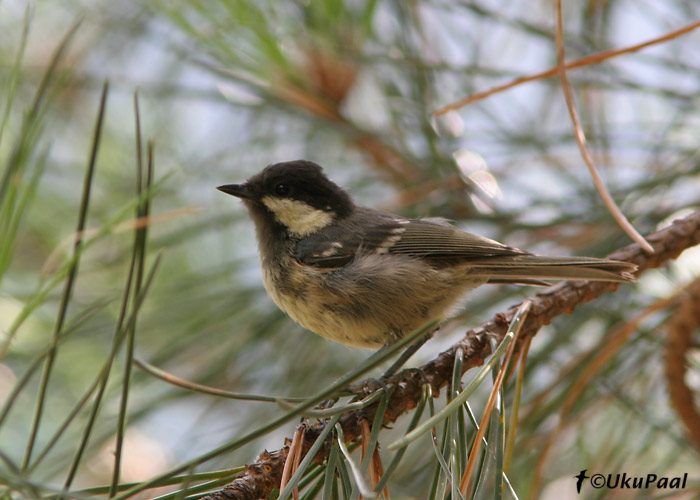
(227, 87)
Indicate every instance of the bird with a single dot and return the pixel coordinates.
(367, 278)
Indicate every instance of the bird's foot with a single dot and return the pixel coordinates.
(369, 386)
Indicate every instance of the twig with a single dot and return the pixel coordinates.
(681, 326)
(261, 477)
(205, 389)
(292, 462)
(581, 140)
(578, 63)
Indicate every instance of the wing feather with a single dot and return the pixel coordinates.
(432, 240)
(373, 232)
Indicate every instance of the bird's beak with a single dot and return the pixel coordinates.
(238, 190)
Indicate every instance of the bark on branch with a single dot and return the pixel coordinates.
(261, 477)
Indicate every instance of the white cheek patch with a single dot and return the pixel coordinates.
(298, 217)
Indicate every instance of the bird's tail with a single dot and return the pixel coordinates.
(534, 269)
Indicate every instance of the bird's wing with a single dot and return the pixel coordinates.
(336, 246)
(441, 241)
(440, 244)
(431, 240)
(318, 252)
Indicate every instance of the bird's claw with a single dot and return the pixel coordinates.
(369, 386)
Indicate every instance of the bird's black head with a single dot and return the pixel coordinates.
(297, 194)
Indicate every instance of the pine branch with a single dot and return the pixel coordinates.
(261, 477)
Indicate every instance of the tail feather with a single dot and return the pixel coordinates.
(528, 268)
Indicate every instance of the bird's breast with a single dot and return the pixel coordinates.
(372, 301)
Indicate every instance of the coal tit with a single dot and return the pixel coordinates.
(365, 278)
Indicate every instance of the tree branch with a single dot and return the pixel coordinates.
(260, 478)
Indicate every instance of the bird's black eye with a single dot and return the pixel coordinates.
(282, 189)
